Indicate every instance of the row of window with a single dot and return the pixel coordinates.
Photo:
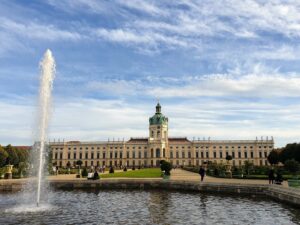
(98, 148)
(171, 147)
(233, 154)
(226, 147)
(144, 154)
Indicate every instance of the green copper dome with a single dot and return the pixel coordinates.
(158, 117)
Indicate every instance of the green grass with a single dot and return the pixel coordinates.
(142, 173)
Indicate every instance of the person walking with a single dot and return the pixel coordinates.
(202, 173)
(271, 176)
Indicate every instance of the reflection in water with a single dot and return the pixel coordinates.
(146, 207)
(158, 206)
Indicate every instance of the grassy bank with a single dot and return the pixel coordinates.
(142, 173)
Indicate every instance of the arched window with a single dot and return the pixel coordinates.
(157, 153)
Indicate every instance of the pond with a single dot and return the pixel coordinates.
(145, 207)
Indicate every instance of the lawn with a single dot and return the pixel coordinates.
(142, 173)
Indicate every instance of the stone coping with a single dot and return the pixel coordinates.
(277, 193)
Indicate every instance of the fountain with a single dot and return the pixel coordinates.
(47, 67)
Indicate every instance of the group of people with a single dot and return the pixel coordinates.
(274, 179)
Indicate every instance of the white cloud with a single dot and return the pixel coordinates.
(38, 31)
(258, 83)
(102, 119)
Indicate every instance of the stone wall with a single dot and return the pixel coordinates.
(277, 193)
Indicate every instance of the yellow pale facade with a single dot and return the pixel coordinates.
(148, 151)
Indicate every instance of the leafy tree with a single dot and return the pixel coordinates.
(3, 156)
(292, 165)
(12, 155)
(23, 154)
(290, 151)
(228, 157)
(248, 166)
(79, 163)
(165, 166)
(273, 157)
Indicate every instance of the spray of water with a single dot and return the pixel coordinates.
(47, 67)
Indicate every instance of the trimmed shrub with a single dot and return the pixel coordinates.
(84, 173)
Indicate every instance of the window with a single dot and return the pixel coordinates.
(215, 155)
(202, 155)
(266, 154)
(260, 154)
(246, 154)
(233, 155)
(74, 156)
(98, 155)
(116, 154)
(239, 153)
(189, 155)
(171, 154)
(80, 155)
(61, 155)
(252, 155)
(145, 154)
(111, 155)
(197, 154)
(127, 155)
(183, 155)
(207, 155)
(56, 155)
(177, 154)
(221, 155)
(69, 155)
(92, 155)
(103, 156)
(86, 155)
(140, 154)
(133, 154)
(121, 155)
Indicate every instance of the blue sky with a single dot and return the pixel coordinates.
(225, 70)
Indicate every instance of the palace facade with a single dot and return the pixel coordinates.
(158, 146)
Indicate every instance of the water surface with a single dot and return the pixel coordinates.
(145, 207)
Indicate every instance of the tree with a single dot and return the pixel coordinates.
(248, 166)
(228, 157)
(292, 166)
(290, 151)
(79, 163)
(165, 166)
(273, 157)
(3, 156)
(12, 155)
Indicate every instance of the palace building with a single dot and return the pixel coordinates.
(148, 151)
